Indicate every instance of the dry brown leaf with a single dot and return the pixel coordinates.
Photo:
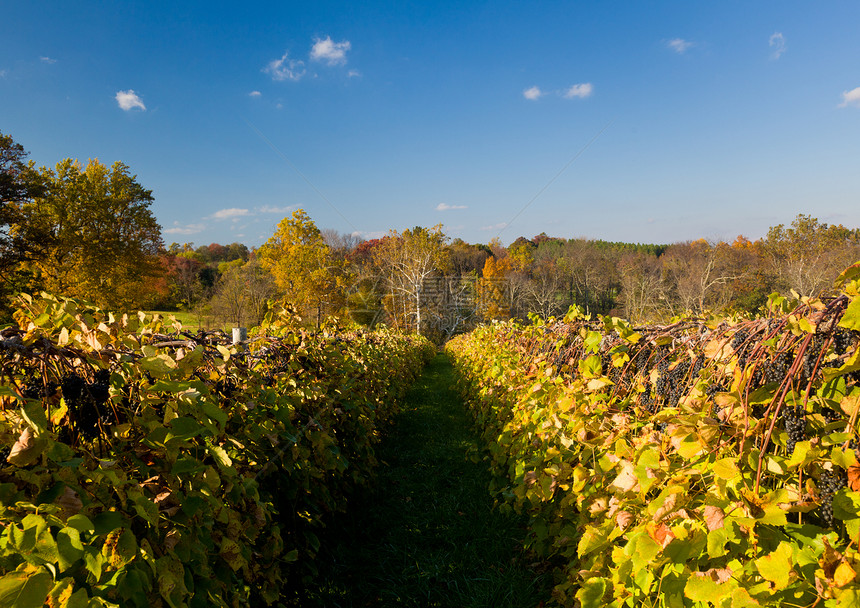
(714, 517)
(662, 534)
(854, 478)
(171, 539)
(626, 480)
(718, 575)
(26, 450)
(668, 506)
(70, 502)
(623, 519)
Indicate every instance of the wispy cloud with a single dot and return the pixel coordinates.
(186, 229)
(353, 74)
(273, 209)
(254, 94)
(494, 226)
(47, 60)
(285, 68)
(679, 45)
(333, 53)
(533, 93)
(128, 100)
(447, 207)
(3, 73)
(231, 213)
(850, 98)
(579, 90)
(777, 43)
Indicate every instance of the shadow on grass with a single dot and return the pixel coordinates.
(426, 534)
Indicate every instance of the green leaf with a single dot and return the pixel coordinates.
(34, 414)
(26, 587)
(186, 465)
(185, 427)
(51, 494)
(60, 595)
(107, 521)
(591, 367)
(158, 365)
(220, 456)
(846, 505)
(69, 547)
(590, 594)
(81, 523)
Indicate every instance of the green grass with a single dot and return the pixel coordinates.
(427, 534)
(192, 322)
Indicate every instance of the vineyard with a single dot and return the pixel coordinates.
(705, 462)
(146, 466)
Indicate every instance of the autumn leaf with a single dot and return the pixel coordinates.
(714, 517)
(26, 450)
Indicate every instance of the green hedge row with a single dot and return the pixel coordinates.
(703, 463)
(148, 467)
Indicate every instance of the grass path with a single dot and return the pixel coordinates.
(427, 534)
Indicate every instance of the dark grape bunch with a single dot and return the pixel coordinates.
(842, 341)
(794, 418)
(4, 454)
(811, 356)
(773, 371)
(88, 403)
(740, 346)
(829, 484)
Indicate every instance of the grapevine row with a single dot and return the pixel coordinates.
(143, 466)
(706, 462)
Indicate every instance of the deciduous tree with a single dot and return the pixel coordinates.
(302, 265)
(103, 241)
(408, 260)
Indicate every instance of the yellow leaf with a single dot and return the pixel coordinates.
(844, 574)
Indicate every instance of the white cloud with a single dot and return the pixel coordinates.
(285, 68)
(495, 226)
(47, 60)
(850, 98)
(3, 73)
(679, 45)
(533, 93)
(353, 74)
(331, 52)
(254, 94)
(128, 100)
(579, 90)
(777, 43)
(231, 213)
(187, 229)
(272, 209)
(447, 207)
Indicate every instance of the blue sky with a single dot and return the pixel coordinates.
(634, 121)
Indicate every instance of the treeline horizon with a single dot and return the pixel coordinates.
(88, 232)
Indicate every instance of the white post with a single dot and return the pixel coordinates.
(240, 334)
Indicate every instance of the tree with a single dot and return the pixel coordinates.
(19, 184)
(243, 292)
(103, 240)
(494, 289)
(407, 261)
(808, 256)
(302, 265)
